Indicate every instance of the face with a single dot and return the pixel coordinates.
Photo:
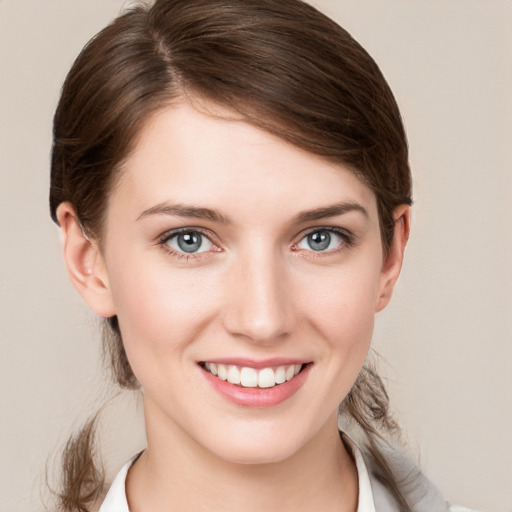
(228, 251)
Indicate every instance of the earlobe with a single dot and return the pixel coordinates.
(393, 261)
(84, 262)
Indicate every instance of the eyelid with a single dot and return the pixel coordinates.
(167, 235)
(193, 229)
(343, 232)
(348, 237)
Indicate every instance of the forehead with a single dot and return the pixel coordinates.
(216, 159)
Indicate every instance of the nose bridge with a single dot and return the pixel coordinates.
(259, 306)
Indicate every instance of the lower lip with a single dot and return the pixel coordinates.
(258, 397)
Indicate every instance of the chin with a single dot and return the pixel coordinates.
(251, 454)
(268, 445)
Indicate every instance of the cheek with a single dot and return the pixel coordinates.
(342, 307)
(160, 311)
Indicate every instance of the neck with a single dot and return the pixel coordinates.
(175, 473)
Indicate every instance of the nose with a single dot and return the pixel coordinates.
(259, 299)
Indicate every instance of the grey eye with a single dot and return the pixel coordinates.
(321, 240)
(190, 242)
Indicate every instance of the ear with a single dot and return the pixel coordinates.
(84, 263)
(392, 263)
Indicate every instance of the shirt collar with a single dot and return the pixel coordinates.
(365, 502)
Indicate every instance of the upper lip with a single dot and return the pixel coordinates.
(254, 363)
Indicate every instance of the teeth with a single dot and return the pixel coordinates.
(233, 375)
(252, 378)
(248, 377)
(266, 378)
(222, 372)
(280, 375)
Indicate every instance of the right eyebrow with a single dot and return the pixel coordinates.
(188, 211)
(331, 211)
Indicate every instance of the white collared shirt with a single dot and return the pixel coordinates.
(372, 496)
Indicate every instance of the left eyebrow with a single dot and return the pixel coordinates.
(188, 211)
(330, 211)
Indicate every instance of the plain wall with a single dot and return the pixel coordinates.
(447, 335)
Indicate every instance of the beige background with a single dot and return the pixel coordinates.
(447, 335)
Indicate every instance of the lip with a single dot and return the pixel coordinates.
(257, 397)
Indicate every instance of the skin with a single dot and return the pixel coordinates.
(257, 290)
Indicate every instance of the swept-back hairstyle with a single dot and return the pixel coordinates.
(282, 66)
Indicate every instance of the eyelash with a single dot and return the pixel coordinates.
(347, 240)
(166, 237)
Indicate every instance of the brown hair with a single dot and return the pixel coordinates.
(284, 67)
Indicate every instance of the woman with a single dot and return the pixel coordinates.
(232, 183)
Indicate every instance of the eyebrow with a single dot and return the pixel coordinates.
(188, 211)
(330, 211)
(194, 212)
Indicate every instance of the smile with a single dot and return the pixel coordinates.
(248, 377)
(258, 384)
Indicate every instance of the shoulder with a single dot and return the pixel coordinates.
(115, 499)
(421, 494)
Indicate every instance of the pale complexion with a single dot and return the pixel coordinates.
(258, 287)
